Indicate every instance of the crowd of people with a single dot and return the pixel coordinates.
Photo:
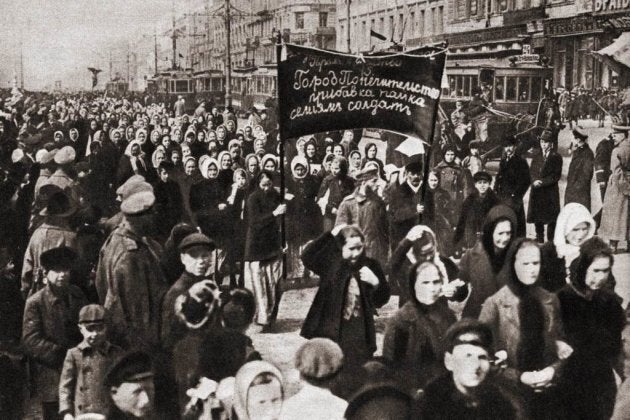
(139, 245)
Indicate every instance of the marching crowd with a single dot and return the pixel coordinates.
(139, 244)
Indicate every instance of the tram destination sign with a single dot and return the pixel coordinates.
(527, 57)
(325, 90)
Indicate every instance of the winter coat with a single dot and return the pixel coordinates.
(442, 400)
(44, 238)
(438, 213)
(402, 209)
(304, 217)
(414, 342)
(323, 257)
(130, 285)
(475, 268)
(544, 201)
(592, 327)
(603, 159)
(456, 181)
(337, 189)
(168, 206)
(501, 313)
(205, 197)
(511, 184)
(81, 385)
(579, 177)
(614, 224)
(368, 212)
(474, 211)
(263, 241)
(49, 330)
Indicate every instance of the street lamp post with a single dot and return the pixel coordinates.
(228, 57)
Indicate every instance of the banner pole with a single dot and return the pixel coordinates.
(283, 234)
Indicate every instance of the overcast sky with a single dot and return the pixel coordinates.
(61, 38)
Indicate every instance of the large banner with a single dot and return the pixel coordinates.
(323, 91)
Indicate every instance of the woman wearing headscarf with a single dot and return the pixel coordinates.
(236, 200)
(355, 163)
(413, 336)
(525, 321)
(614, 227)
(303, 216)
(148, 147)
(222, 140)
(252, 169)
(312, 154)
(334, 188)
(258, 392)
(593, 320)
(574, 226)
(230, 130)
(159, 156)
(190, 177)
(480, 266)
(369, 155)
(226, 174)
(133, 162)
(263, 247)
(455, 180)
(207, 204)
(437, 211)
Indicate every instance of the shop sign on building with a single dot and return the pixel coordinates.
(610, 5)
(527, 57)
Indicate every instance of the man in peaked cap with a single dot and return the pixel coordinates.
(581, 170)
(468, 391)
(50, 325)
(131, 387)
(121, 193)
(319, 362)
(129, 281)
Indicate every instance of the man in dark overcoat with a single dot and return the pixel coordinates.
(580, 170)
(544, 198)
(405, 204)
(512, 182)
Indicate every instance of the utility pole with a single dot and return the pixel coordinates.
(110, 66)
(128, 71)
(21, 66)
(228, 57)
(155, 50)
(174, 38)
(348, 38)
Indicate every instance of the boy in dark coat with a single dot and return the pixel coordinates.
(468, 392)
(544, 198)
(580, 170)
(474, 210)
(405, 204)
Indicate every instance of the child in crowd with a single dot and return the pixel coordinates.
(474, 162)
(474, 210)
(81, 388)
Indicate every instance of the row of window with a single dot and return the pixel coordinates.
(505, 89)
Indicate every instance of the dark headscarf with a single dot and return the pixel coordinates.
(589, 250)
(531, 347)
(496, 215)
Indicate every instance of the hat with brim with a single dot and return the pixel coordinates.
(138, 202)
(134, 179)
(509, 141)
(131, 367)
(546, 136)
(92, 314)
(58, 259)
(379, 401)
(195, 239)
(319, 358)
(579, 132)
(367, 173)
(482, 176)
(60, 205)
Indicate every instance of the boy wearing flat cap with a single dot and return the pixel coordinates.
(81, 387)
(474, 210)
(467, 392)
(581, 170)
(50, 325)
(131, 388)
(319, 362)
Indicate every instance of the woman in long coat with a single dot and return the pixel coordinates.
(333, 189)
(614, 227)
(480, 266)
(414, 335)
(525, 321)
(437, 213)
(263, 248)
(304, 218)
(352, 286)
(593, 319)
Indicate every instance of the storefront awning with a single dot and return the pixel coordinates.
(618, 52)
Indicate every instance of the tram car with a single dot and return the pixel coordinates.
(117, 87)
(515, 94)
(168, 85)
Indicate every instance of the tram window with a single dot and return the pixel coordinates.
(536, 88)
(451, 86)
(466, 86)
(181, 86)
(473, 82)
(499, 86)
(510, 90)
(523, 89)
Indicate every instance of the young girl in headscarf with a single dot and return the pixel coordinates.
(370, 156)
(133, 162)
(355, 163)
(525, 319)
(258, 392)
(236, 200)
(226, 174)
(575, 225)
(303, 219)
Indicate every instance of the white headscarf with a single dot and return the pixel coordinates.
(570, 216)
